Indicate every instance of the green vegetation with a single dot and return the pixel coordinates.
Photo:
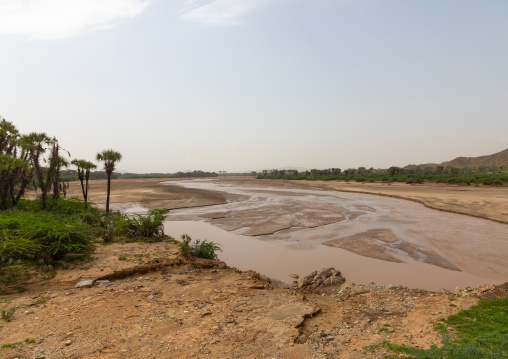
(110, 158)
(149, 225)
(30, 340)
(201, 249)
(28, 233)
(7, 314)
(11, 345)
(411, 174)
(83, 173)
(480, 332)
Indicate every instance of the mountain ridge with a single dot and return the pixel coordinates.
(498, 159)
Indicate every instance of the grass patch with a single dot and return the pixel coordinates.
(122, 258)
(11, 345)
(30, 340)
(479, 332)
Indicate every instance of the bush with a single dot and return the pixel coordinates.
(27, 233)
(201, 249)
(150, 225)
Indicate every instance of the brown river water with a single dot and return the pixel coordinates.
(280, 231)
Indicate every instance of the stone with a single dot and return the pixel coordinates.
(337, 280)
(325, 277)
(294, 276)
(105, 283)
(68, 342)
(484, 288)
(85, 284)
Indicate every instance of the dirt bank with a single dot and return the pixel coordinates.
(161, 304)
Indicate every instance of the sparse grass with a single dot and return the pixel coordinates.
(122, 258)
(384, 329)
(479, 332)
(11, 345)
(7, 314)
(30, 340)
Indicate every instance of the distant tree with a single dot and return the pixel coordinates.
(16, 171)
(110, 158)
(84, 168)
(439, 170)
(36, 145)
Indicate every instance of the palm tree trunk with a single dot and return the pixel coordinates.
(109, 189)
(85, 191)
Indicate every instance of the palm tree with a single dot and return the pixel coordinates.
(35, 144)
(109, 157)
(84, 168)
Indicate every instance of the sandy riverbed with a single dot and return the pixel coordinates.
(483, 201)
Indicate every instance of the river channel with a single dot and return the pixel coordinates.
(278, 231)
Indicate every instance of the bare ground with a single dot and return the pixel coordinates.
(162, 304)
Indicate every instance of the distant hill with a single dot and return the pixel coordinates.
(499, 159)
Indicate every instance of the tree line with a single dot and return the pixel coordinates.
(35, 161)
(409, 174)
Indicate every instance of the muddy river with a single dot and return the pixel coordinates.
(278, 231)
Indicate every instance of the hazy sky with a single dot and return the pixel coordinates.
(252, 84)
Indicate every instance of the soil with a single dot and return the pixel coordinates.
(158, 303)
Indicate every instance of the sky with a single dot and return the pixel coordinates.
(241, 85)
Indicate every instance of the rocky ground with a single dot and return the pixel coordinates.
(149, 301)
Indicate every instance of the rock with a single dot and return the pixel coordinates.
(68, 342)
(85, 284)
(294, 276)
(325, 277)
(485, 288)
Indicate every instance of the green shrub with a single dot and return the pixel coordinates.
(149, 225)
(27, 233)
(201, 249)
